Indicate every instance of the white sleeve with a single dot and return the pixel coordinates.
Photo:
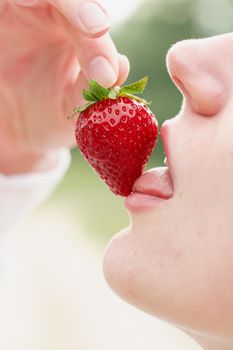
(20, 194)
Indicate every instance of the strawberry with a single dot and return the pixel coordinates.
(116, 133)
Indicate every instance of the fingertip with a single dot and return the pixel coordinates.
(101, 70)
(124, 68)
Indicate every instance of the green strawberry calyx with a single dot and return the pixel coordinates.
(98, 93)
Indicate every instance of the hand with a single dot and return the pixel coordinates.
(49, 51)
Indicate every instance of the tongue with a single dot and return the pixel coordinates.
(156, 182)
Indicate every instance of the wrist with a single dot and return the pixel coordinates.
(27, 163)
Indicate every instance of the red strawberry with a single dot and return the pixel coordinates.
(116, 133)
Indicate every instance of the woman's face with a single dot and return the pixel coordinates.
(176, 259)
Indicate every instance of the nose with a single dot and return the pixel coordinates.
(195, 70)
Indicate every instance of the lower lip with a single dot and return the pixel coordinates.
(141, 202)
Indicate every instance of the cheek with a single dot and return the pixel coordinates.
(203, 155)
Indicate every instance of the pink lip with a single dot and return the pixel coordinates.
(154, 186)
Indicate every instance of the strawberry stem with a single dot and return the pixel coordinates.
(135, 88)
(114, 92)
(98, 90)
(98, 93)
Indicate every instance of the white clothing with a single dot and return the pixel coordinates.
(20, 194)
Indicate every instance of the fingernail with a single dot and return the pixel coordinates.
(101, 70)
(93, 18)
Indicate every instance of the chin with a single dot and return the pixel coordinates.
(120, 266)
(114, 259)
(148, 270)
(127, 270)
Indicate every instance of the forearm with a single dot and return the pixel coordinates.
(24, 190)
(18, 163)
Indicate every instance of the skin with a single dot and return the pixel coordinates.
(46, 61)
(175, 261)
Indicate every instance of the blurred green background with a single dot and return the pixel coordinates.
(145, 38)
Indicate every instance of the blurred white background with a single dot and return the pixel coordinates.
(120, 10)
